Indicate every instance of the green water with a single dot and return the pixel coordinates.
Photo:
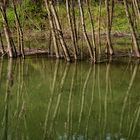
(42, 99)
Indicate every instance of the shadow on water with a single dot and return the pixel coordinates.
(51, 100)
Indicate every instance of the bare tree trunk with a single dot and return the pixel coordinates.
(85, 32)
(10, 45)
(93, 32)
(20, 32)
(60, 34)
(134, 15)
(133, 33)
(99, 25)
(137, 7)
(108, 29)
(1, 44)
(71, 28)
(111, 13)
(52, 29)
(74, 25)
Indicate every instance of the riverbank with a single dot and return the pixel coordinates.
(39, 43)
(72, 37)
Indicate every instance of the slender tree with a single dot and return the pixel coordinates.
(19, 30)
(74, 24)
(99, 25)
(108, 28)
(1, 44)
(90, 49)
(71, 28)
(10, 45)
(137, 8)
(93, 32)
(59, 31)
(52, 26)
(131, 26)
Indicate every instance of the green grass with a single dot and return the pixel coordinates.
(34, 18)
(120, 22)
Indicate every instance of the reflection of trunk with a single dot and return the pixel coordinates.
(90, 49)
(83, 97)
(69, 112)
(134, 122)
(106, 97)
(19, 31)
(10, 44)
(136, 115)
(20, 109)
(1, 44)
(9, 85)
(91, 104)
(128, 95)
(59, 30)
(58, 99)
(51, 99)
(6, 120)
(100, 103)
(9, 77)
(133, 33)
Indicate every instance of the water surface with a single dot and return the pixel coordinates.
(42, 99)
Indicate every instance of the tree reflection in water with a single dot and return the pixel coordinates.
(64, 101)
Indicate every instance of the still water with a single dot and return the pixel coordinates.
(42, 99)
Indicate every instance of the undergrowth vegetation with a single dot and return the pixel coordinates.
(34, 17)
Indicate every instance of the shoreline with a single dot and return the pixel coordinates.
(45, 36)
(39, 52)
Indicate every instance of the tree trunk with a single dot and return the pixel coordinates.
(52, 26)
(60, 34)
(137, 7)
(93, 32)
(19, 30)
(71, 28)
(1, 44)
(99, 25)
(10, 46)
(74, 25)
(85, 32)
(108, 29)
(135, 48)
